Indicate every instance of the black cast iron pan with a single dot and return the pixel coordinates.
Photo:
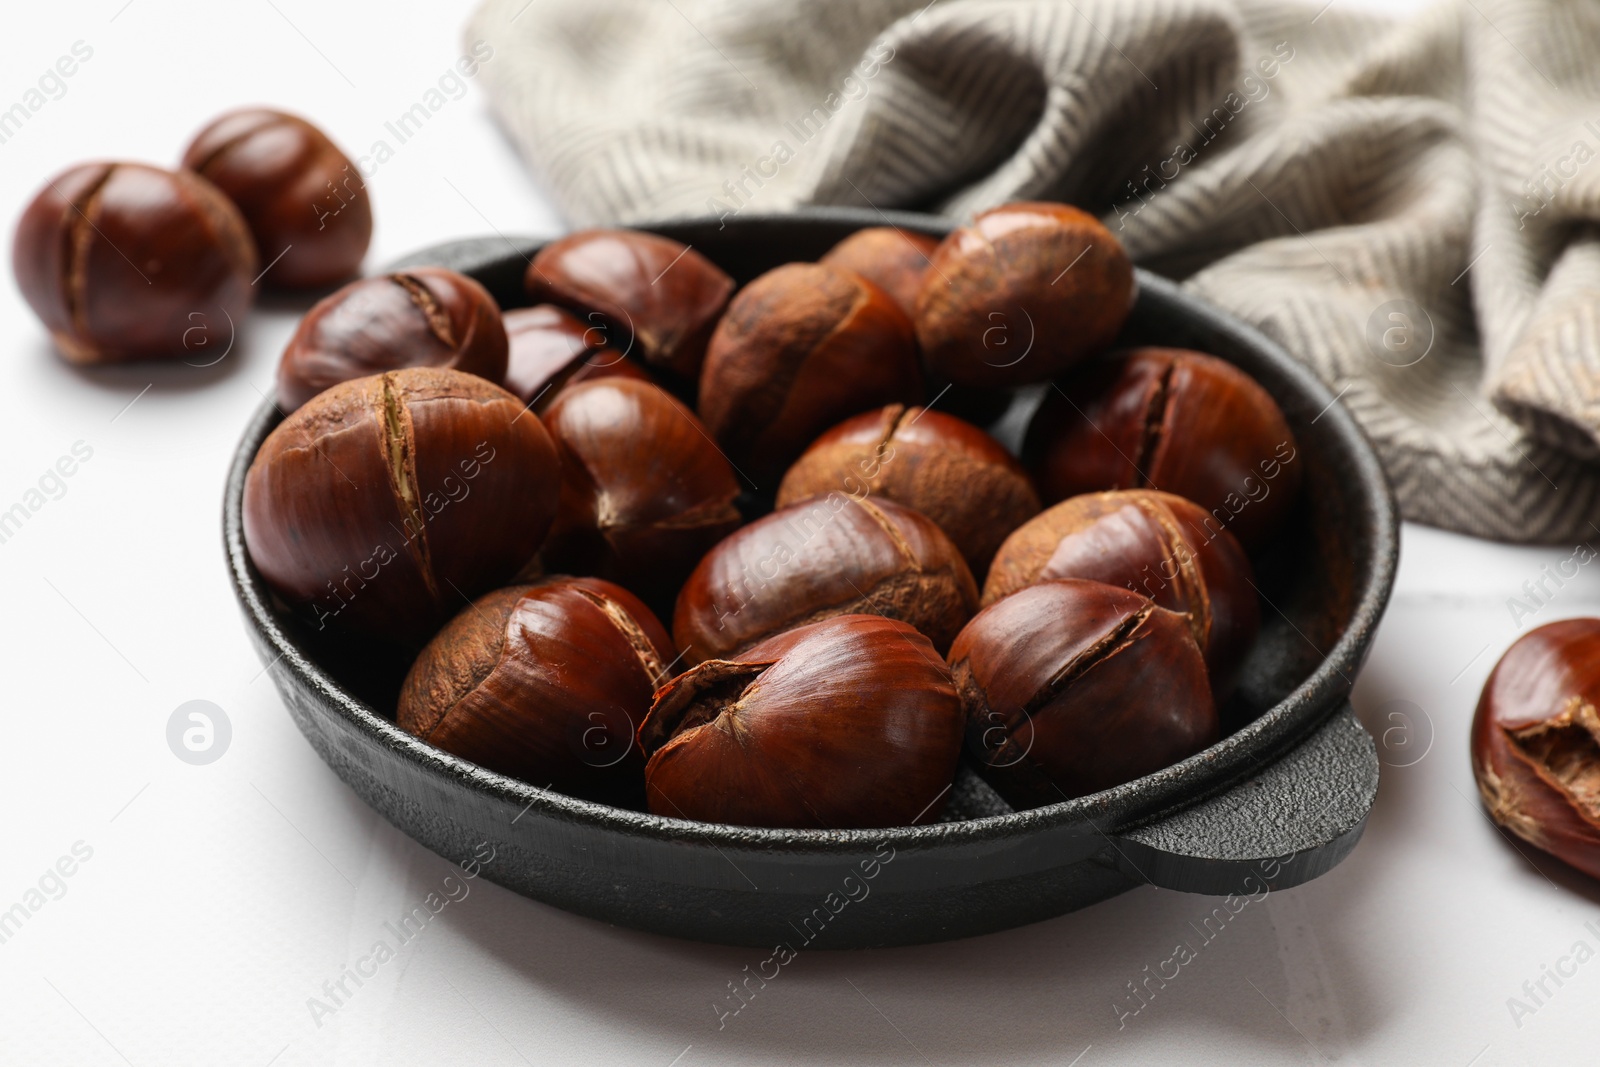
(1279, 801)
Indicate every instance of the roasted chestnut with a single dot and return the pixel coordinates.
(659, 298)
(387, 501)
(552, 349)
(121, 261)
(644, 492)
(1154, 543)
(545, 682)
(1021, 295)
(1168, 418)
(1536, 741)
(423, 317)
(1071, 687)
(889, 257)
(847, 722)
(800, 348)
(305, 202)
(949, 470)
(829, 555)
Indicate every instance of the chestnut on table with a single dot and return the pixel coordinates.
(303, 199)
(1536, 741)
(117, 259)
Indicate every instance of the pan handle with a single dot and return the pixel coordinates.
(1287, 825)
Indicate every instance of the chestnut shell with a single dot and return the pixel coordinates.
(890, 258)
(1171, 419)
(1157, 545)
(830, 555)
(847, 722)
(551, 348)
(545, 682)
(1536, 741)
(1071, 687)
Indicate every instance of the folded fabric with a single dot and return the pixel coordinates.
(1406, 206)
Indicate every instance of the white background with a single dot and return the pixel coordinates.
(219, 898)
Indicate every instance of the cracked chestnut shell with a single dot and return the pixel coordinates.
(659, 298)
(848, 722)
(386, 501)
(121, 262)
(1536, 741)
(890, 258)
(946, 468)
(551, 349)
(830, 555)
(644, 492)
(1154, 543)
(545, 682)
(1022, 294)
(1171, 419)
(1071, 687)
(800, 348)
(306, 204)
(423, 317)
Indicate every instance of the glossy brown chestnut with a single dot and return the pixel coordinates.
(121, 261)
(1536, 741)
(305, 202)
(800, 348)
(1071, 687)
(829, 555)
(949, 470)
(1168, 418)
(385, 501)
(848, 722)
(547, 683)
(552, 349)
(1022, 294)
(1157, 545)
(423, 317)
(644, 492)
(658, 298)
(892, 259)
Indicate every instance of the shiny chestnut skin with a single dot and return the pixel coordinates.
(121, 262)
(1172, 419)
(551, 349)
(304, 200)
(800, 348)
(1021, 295)
(423, 317)
(1157, 545)
(1071, 687)
(890, 258)
(826, 556)
(1536, 741)
(946, 468)
(844, 723)
(545, 682)
(644, 492)
(386, 500)
(658, 298)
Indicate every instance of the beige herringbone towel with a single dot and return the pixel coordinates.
(1366, 191)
